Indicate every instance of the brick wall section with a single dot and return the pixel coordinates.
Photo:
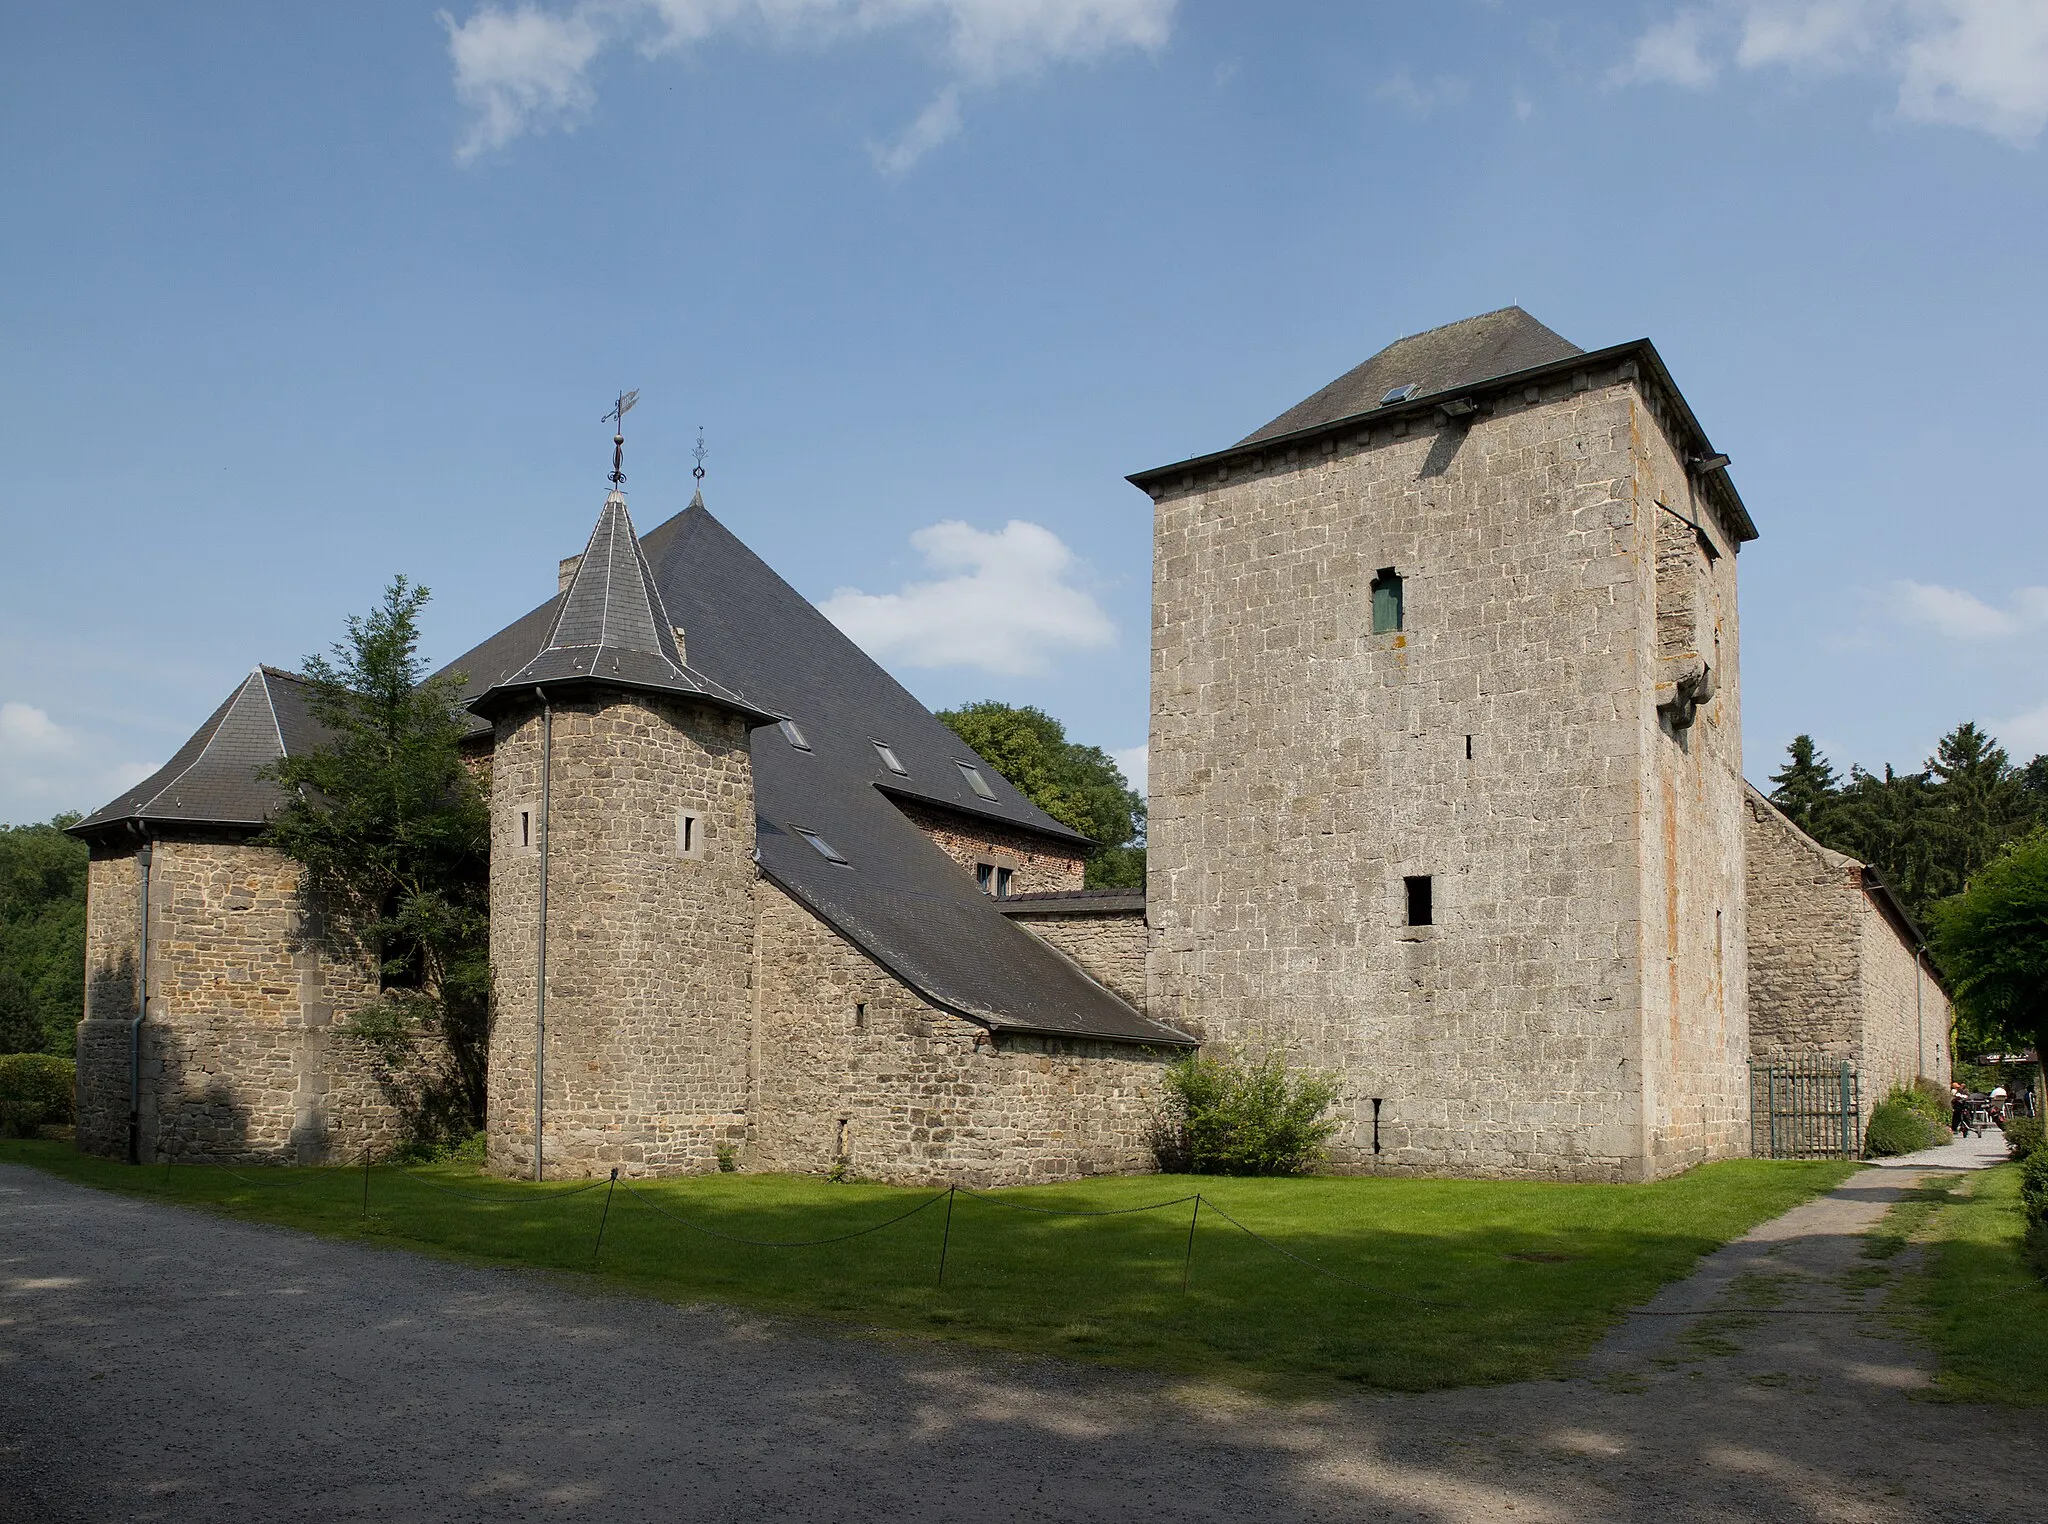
(924, 1095)
(1566, 1017)
(1829, 971)
(648, 950)
(1110, 949)
(239, 1057)
(1040, 865)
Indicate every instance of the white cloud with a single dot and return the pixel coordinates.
(1133, 761)
(1671, 52)
(1002, 602)
(1969, 63)
(1964, 616)
(2024, 735)
(46, 767)
(527, 69)
(520, 69)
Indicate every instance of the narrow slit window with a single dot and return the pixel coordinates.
(1421, 900)
(889, 759)
(793, 733)
(1468, 748)
(860, 1016)
(824, 848)
(689, 834)
(525, 829)
(975, 780)
(1386, 601)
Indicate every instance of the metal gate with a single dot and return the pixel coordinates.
(1805, 1106)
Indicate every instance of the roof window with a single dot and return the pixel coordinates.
(793, 735)
(825, 848)
(1399, 393)
(889, 759)
(975, 780)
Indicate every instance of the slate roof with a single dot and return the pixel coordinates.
(900, 899)
(1075, 902)
(610, 625)
(212, 780)
(1440, 360)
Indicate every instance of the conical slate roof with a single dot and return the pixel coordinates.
(611, 627)
(213, 778)
(1441, 360)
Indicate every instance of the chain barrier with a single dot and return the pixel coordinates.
(1020, 1206)
(773, 1243)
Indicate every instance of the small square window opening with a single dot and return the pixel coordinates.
(975, 780)
(793, 734)
(1421, 900)
(985, 877)
(889, 759)
(1386, 602)
(824, 848)
(1003, 883)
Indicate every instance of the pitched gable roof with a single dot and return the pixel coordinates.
(899, 898)
(610, 626)
(212, 780)
(1440, 360)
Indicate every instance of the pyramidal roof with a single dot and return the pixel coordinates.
(612, 627)
(1440, 360)
(213, 778)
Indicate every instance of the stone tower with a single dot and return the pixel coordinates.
(622, 872)
(1446, 786)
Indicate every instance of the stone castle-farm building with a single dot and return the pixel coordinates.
(1446, 796)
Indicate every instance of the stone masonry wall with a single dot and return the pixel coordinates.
(1693, 942)
(1905, 1012)
(649, 949)
(1110, 949)
(1805, 940)
(239, 1058)
(1302, 766)
(849, 1061)
(1040, 865)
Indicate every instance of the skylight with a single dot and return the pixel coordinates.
(975, 780)
(793, 735)
(889, 759)
(1399, 393)
(825, 848)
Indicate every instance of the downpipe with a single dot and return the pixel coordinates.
(141, 1012)
(540, 980)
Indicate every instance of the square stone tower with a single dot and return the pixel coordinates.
(1446, 788)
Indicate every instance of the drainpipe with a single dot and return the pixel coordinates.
(540, 981)
(1919, 1020)
(141, 1011)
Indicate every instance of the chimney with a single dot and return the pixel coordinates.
(566, 572)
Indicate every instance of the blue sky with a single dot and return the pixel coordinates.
(294, 298)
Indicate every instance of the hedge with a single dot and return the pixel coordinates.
(35, 1091)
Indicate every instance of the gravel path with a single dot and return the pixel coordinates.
(167, 1365)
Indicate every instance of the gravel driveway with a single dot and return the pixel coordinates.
(164, 1364)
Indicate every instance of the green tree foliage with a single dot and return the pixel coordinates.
(394, 835)
(42, 937)
(1806, 786)
(1229, 1115)
(1079, 786)
(35, 1091)
(1992, 942)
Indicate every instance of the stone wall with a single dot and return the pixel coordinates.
(1830, 970)
(1109, 947)
(649, 947)
(850, 1063)
(1040, 865)
(1566, 1016)
(239, 1058)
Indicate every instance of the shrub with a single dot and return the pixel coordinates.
(1228, 1115)
(2022, 1137)
(2034, 1192)
(1930, 1100)
(1899, 1125)
(35, 1091)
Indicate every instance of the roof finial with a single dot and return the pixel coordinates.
(617, 417)
(700, 452)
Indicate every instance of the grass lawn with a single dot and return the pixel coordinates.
(1471, 1281)
(1979, 1300)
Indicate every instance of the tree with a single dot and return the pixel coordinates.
(42, 937)
(1992, 942)
(393, 833)
(1079, 786)
(1979, 803)
(1887, 821)
(1806, 787)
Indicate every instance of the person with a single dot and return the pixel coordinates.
(1958, 1107)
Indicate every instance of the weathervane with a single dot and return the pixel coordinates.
(617, 417)
(700, 452)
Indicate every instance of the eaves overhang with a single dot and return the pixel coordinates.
(1065, 835)
(1714, 484)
